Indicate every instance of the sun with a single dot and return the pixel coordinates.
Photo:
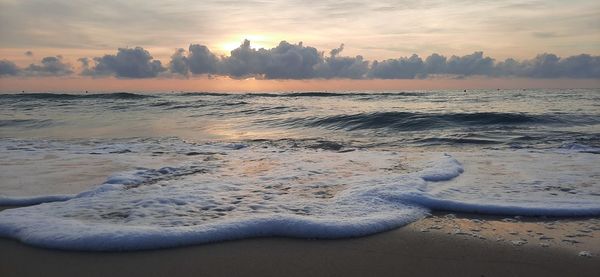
(229, 46)
(256, 42)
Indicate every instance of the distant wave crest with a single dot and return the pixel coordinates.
(66, 96)
(414, 121)
(26, 123)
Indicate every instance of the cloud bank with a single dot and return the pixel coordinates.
(48, 66)
(8, 68)
(298, 61)
(127, 63)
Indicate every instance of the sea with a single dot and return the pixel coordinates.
(130, 171)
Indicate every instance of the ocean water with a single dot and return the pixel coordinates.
(125, 171)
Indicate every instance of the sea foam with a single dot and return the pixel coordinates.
(256, 190)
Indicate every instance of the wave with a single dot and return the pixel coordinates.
(578, 147)
(33, 200)
(298, 94)
(186, 106)
(65, 96)
(453, 141)
(415, 121)
(568, 209)
(173, 206)
(125, 180)
(183, 205)
(26, 123)
(204, 94)
(334, 94)
(163, 104)
(303, 94)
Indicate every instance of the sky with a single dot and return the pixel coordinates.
(296, 45)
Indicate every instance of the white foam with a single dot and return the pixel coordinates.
(256, 190)
(578, 147)
(32, 200)
(520, 182)
(534, 208)
(444, 170)
(35, 171)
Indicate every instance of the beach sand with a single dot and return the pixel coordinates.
(440, 245)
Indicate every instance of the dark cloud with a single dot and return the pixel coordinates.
(28, 53)
(85, 66)
(580, 66)
(542, 66)
(179, 62)
(200, 60)
(49, 66)
(403, 68)
(291, 61)
(286, 61)
(8, 68)
(473, 64)
(435, 64)
(85, 62)
(197, 60)
(508, 67)
(127, 63)
(552, 66)
(298, 61)
(336, 51)
(244, 62)
(335, 66)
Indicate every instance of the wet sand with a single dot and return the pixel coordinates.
(482, 246)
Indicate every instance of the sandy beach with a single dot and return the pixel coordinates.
(440, 245)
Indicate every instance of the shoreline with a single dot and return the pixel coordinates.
(422, 248)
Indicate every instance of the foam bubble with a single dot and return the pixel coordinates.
(35, 171)
(254, 192)
(520, 182)
(259, 190)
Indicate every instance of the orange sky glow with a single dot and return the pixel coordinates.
(223, 84)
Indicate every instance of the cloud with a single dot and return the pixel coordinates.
(197, 60)
(127, 63)
(336, 51)
(28, 53)
(435, 64)
(508, 67)
(403, 68)
(50, 66)
(551, 66)
(179, 62)
(299, 61)
(85, 62)
(290, 61)
(285, 61)
(200, 60)
(244, 62)
(580, 66)
(8, 68)
(473, 64)
(335, 66)
(542, 66)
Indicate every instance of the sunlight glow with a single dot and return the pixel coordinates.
(256, 42)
